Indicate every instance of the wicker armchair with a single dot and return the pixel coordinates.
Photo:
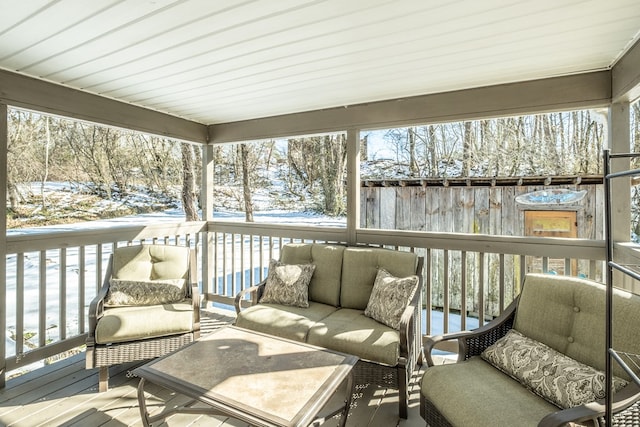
(127, 326)
(558, 309)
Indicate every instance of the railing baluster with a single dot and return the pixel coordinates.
(82, 318)
(428, 285)
(62, 294)
(463, 290)
(42, 301)
(20, 304)
(481, 282)
(446, 285)
(501, 291)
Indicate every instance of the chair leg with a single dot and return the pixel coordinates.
(403, 390)
(103, 379)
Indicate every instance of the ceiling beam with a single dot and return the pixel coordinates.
(588, 90)
(26, 92)
(625, 76)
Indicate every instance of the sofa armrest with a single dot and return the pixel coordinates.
(473, 343)
(621, 401)
(255, 292)
(410, 328)
(408, 325)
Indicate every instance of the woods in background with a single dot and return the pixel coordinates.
(301, 173)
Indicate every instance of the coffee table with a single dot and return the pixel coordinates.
(257, 378)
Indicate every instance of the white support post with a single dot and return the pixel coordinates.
(4, 145)
(353, 185)
(206, 203)
(620, 142)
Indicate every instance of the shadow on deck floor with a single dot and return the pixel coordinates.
(65, 394)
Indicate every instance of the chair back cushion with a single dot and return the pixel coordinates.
(360, 267)
(151, 262)
(325, 282)
(568, 314)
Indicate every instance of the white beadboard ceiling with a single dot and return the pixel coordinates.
(216, 61)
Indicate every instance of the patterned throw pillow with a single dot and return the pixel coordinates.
(389, 298)
(144, 292)
(557, 378)
(288, 284)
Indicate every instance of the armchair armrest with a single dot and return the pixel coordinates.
(473, 343)
(255, 292)
(96, 308)
(622, 400)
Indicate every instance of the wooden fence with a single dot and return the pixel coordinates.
(486, 206)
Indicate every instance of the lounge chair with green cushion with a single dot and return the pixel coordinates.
(541, 363)
(148, 306)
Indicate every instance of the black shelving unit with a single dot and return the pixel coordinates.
(628, 361)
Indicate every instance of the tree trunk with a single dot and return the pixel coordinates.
(333, 159)
(467, 147)
(246, 183)
(413, 162)
(45, 176)
(188, 184)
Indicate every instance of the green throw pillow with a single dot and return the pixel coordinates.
(144, 292)
(389, 298)
(288, 284)
(557, 378)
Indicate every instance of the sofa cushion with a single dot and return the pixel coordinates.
(568, 314)
(548, 373)
(288, 284)
(389, 298)
(283, 321)
(120, 324)
(325, 282)
(483, 396)
(350, 331)
(360, 267)
(144, 292)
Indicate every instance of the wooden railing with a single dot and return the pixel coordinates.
(55, 275)
(477, 275)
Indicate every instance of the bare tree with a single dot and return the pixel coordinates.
(246, 182)
(188, 183)
(332, 160)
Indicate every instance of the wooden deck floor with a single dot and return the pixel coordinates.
(65, 394)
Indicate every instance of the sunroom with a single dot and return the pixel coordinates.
(216, 75)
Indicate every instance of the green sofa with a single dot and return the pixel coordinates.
(501, 380)
(338, 294)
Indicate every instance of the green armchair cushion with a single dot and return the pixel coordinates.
(144, 262)
(122, 324)
(144, 292)
(553, 376)
(474, 393)
(389, 298)
(288, 284)
(567, 314)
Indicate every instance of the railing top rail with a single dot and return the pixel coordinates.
(520, 245)
(55, 239)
